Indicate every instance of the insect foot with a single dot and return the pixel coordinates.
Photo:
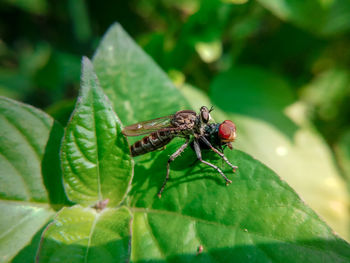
(228, 182)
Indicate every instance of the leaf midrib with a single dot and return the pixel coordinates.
(90, 237)
(97, 154)
(147, 210)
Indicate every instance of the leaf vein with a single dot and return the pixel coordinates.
(20, 222)
(80, 150)
(27, 190)
(98, 156)
(153, 236)
(26, 138)
(90, 237)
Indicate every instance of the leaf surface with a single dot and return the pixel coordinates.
(95, 155)
(25, 195)
(256, 218)
(273, 128)
(83, 235)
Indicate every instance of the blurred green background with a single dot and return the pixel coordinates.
(222, 47)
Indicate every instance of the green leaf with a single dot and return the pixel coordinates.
(317, 16)
(28, 254)
(95, 156)
(137, 87)
(276, 132)
(19, 222)
(258, 218)
(24, 134)
(29, 142)
(83, 235)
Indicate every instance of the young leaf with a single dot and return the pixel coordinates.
(95, 155)
(26, 136)
(137, 87)
(83, 235)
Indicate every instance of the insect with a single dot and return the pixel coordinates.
(195, 128)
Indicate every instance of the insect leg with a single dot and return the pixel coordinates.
(219, 153)
(199, 156)
(172, 158)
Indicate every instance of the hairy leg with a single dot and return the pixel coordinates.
(219, 153)
(199, 156)
(172, 158)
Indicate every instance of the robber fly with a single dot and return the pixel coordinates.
(195, 128)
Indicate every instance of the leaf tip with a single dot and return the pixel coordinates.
(86, 62)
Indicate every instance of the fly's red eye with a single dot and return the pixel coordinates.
(224, 131)
(227, 131)
(230, 124)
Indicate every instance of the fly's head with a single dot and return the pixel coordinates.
(227, 133)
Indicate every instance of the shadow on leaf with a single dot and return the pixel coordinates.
(150, 170)
(51, 169)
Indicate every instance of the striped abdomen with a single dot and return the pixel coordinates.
(151, 142)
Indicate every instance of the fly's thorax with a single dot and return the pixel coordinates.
(185, 119)
(181, 132)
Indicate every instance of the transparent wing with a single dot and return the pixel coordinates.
(147, 127)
